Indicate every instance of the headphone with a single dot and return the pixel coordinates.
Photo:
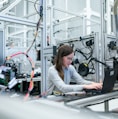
(83, 69)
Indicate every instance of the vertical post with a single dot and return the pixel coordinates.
(51, 22)
(84, 25)
(106, 106)
(97, 55)
(43, 45)
(102, 37)
(2, 46)
(88, 11)
(116, 17)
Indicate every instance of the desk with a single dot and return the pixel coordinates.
(94, 100)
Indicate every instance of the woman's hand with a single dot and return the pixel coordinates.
(93, 85)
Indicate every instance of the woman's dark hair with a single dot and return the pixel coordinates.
(63, 50)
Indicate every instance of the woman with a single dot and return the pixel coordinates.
(60, 74)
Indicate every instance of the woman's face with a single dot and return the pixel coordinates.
(67, 60)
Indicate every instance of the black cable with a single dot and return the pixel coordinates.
(84, 54)
(95, 59)
(37, 26)
(35, 7)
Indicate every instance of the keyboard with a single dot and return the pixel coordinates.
(93, 91)
(89, 93)
(67, 98)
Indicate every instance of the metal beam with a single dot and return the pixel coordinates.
(49, 51)
(19, 32)
(17, 20)
(10, 7)
(92, 100)
(67, 12)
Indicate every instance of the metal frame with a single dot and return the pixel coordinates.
(17, 20)
(2, 44)
(84, 102)
(97, 55)
(10, 7)
(43, 45)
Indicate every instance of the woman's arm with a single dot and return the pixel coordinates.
(55, 79)
(87, 84)
(77, 77)
(60, 84)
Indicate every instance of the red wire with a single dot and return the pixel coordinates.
(31, 84)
